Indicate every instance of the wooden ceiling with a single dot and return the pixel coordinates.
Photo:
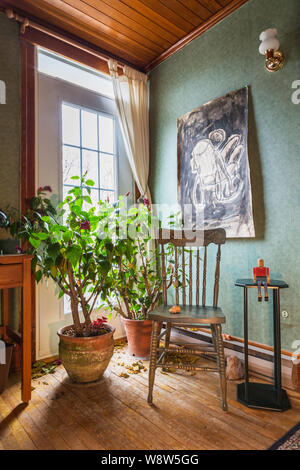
(141, 32)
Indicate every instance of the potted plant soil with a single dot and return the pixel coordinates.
(68, 248)
(136, 287)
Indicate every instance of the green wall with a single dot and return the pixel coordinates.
(9, 116)
(221, 60)
(10, 119)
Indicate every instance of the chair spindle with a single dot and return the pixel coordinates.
(183, 278)
(176, 276)
(164, 275)
(217, 277)
(204, 277)
(197, 278)
(191, 278)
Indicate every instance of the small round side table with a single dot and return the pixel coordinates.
(260, 395)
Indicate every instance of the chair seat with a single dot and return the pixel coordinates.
(189, 314)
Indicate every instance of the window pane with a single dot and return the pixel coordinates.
(70, 125)
(66, 189)
(60, 67)
(107, 171)
(71, 165)
(90, 165)
(94, 197)
(106, 134)
(67, 304)
(89, 130)
(110, 195)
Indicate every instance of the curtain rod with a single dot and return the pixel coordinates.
(25, 23)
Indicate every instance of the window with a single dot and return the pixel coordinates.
(88, 141)
(77, 132)
(88, 148)
(59, 67)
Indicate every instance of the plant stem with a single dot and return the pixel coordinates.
(74, 301)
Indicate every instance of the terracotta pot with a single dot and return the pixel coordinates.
(85, 359)
(138, 334)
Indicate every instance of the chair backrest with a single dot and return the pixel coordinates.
(187, 244)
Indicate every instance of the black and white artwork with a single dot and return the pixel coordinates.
(213, 170)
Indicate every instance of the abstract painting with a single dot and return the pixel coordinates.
(214, 187)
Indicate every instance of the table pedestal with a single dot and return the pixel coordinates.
(260, 395)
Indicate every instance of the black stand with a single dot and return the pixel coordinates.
(259, 395)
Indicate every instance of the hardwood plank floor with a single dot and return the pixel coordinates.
(115, 415)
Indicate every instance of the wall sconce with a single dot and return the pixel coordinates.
(269, 47)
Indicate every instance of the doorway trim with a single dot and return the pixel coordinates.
(27, 157)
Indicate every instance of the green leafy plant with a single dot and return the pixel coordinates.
(136, 287)
(91, 253)
(67, 247)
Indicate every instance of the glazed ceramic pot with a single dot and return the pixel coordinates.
(138, 334)
(86, 358)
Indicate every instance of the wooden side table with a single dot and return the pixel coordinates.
(259, 395)
(15, 271)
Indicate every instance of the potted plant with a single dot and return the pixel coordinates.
(136, 287)
(67, 248)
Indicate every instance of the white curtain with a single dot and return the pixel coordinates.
(131, 97)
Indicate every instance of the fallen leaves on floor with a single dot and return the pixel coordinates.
(181, 359)
(132, 368)
(136, 367)
(125, 376)
(41, 368)
(120, 344)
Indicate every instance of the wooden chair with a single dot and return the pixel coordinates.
(186, 247)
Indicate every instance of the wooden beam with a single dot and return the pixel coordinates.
(27, 124)
(27, 170)
(5, 311)
(26, 331)
(220, 15)
(54, 44)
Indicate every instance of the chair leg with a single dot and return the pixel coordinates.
(214, 338)
(221, 363)
(153, 358)
(167, 341)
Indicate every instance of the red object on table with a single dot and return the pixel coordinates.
(261, 272)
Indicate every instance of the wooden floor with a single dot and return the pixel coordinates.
(115, 415)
